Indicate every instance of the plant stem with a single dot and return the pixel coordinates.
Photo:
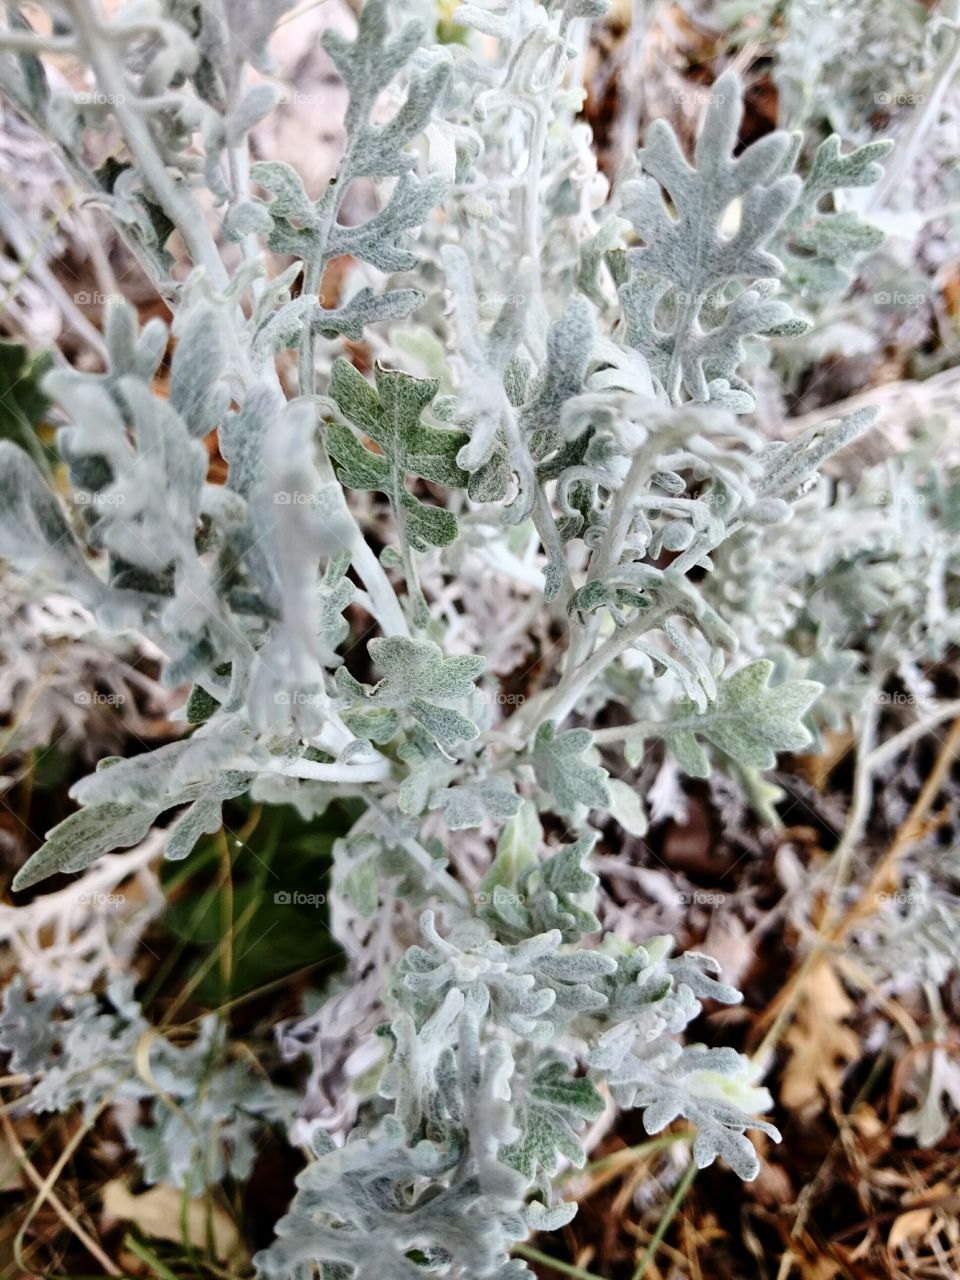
(859, 812)
(385, 606)
(629, 1154)
(26, 42)
(904, 155)
(145, 1255)
(683, 1186)
(564, 1268)
(532, 230)
(176, 201)
(620, 732)
(564, 696)
(623, 508)
(376, 771)
(890, 749)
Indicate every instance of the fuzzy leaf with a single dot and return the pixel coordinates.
(561, 770)
(390, 417)
(818, 249)
(749, 720)
(85, 836)
(419, 668)
(417, 674)
(310, 230)
(470, 805)
(677, 311)
(559, 1104)
(34, 534)
(27, 1030)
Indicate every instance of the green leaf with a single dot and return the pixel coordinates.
(559, 1105)
(85, 836)
(356, 466)
(389, 417)
(201, 705)
(376, 724)
(365, 307)
(818, 249)
(561, 770)
(627, 807)
(677, 303)
(555, 1086)
(446, 725)
(360, 887)
(204, 816)
(534, 898)
(417, 675)
(563, 873)
(569, 342)
(468, 805)
(749, 720)
(516, 848)
(23, 405)
(419, 668)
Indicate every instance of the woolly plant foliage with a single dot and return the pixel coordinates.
(583, 401)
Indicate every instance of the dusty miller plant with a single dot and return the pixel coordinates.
(579, 425)
(203, 1112)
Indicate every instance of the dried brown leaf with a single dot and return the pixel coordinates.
(819, 1042)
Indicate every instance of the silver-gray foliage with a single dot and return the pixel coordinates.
(494, 1000)
(591, 389)
(191, 1115)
